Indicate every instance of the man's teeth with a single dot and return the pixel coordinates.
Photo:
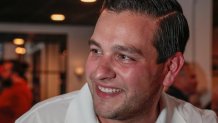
(108, 90)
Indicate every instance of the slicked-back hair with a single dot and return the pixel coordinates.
(172, 32)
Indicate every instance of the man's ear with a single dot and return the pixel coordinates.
(173, 65)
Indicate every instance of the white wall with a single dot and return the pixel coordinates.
(78, 55)
(199, 16)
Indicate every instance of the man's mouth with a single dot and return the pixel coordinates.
(109, 90)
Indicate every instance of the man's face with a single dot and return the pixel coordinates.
(121, 68)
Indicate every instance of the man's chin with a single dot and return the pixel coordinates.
(105, 109)
(106, 114)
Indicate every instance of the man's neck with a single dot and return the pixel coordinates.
(149, 117)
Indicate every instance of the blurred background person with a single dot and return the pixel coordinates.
(185, 86)
(16, 96)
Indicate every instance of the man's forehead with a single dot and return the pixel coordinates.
(119, 47)
(129, 13)
(127, 22)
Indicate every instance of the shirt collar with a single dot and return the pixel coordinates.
(168, 111)
(81, 109)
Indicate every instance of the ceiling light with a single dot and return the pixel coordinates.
(18, 41)
(88, 1)
(20, 50)
(57, 17)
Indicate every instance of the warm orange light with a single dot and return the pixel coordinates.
(18, 41)
(79, 71)
(20, 50)
(88, 1)
(57, 17)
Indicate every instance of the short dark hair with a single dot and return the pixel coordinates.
(172, 32)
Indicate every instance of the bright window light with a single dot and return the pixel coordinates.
(57, 17)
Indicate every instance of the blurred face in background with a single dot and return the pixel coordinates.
(186, 80)
(6, 70)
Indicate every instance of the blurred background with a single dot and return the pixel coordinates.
(51, 36)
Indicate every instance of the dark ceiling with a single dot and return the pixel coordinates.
(76, 12)
(39, 11)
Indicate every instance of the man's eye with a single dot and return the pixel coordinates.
(125, 57)
(95, 51)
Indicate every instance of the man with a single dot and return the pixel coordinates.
(185, 83)
(16, 96)
(135, 50)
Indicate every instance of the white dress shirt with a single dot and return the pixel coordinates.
(77, 107)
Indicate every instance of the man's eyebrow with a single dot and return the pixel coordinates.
(130, 49)
(92, 42)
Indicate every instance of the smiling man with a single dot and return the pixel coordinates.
(135, 51)
(123, 75)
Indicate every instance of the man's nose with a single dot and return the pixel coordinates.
(104, 69)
